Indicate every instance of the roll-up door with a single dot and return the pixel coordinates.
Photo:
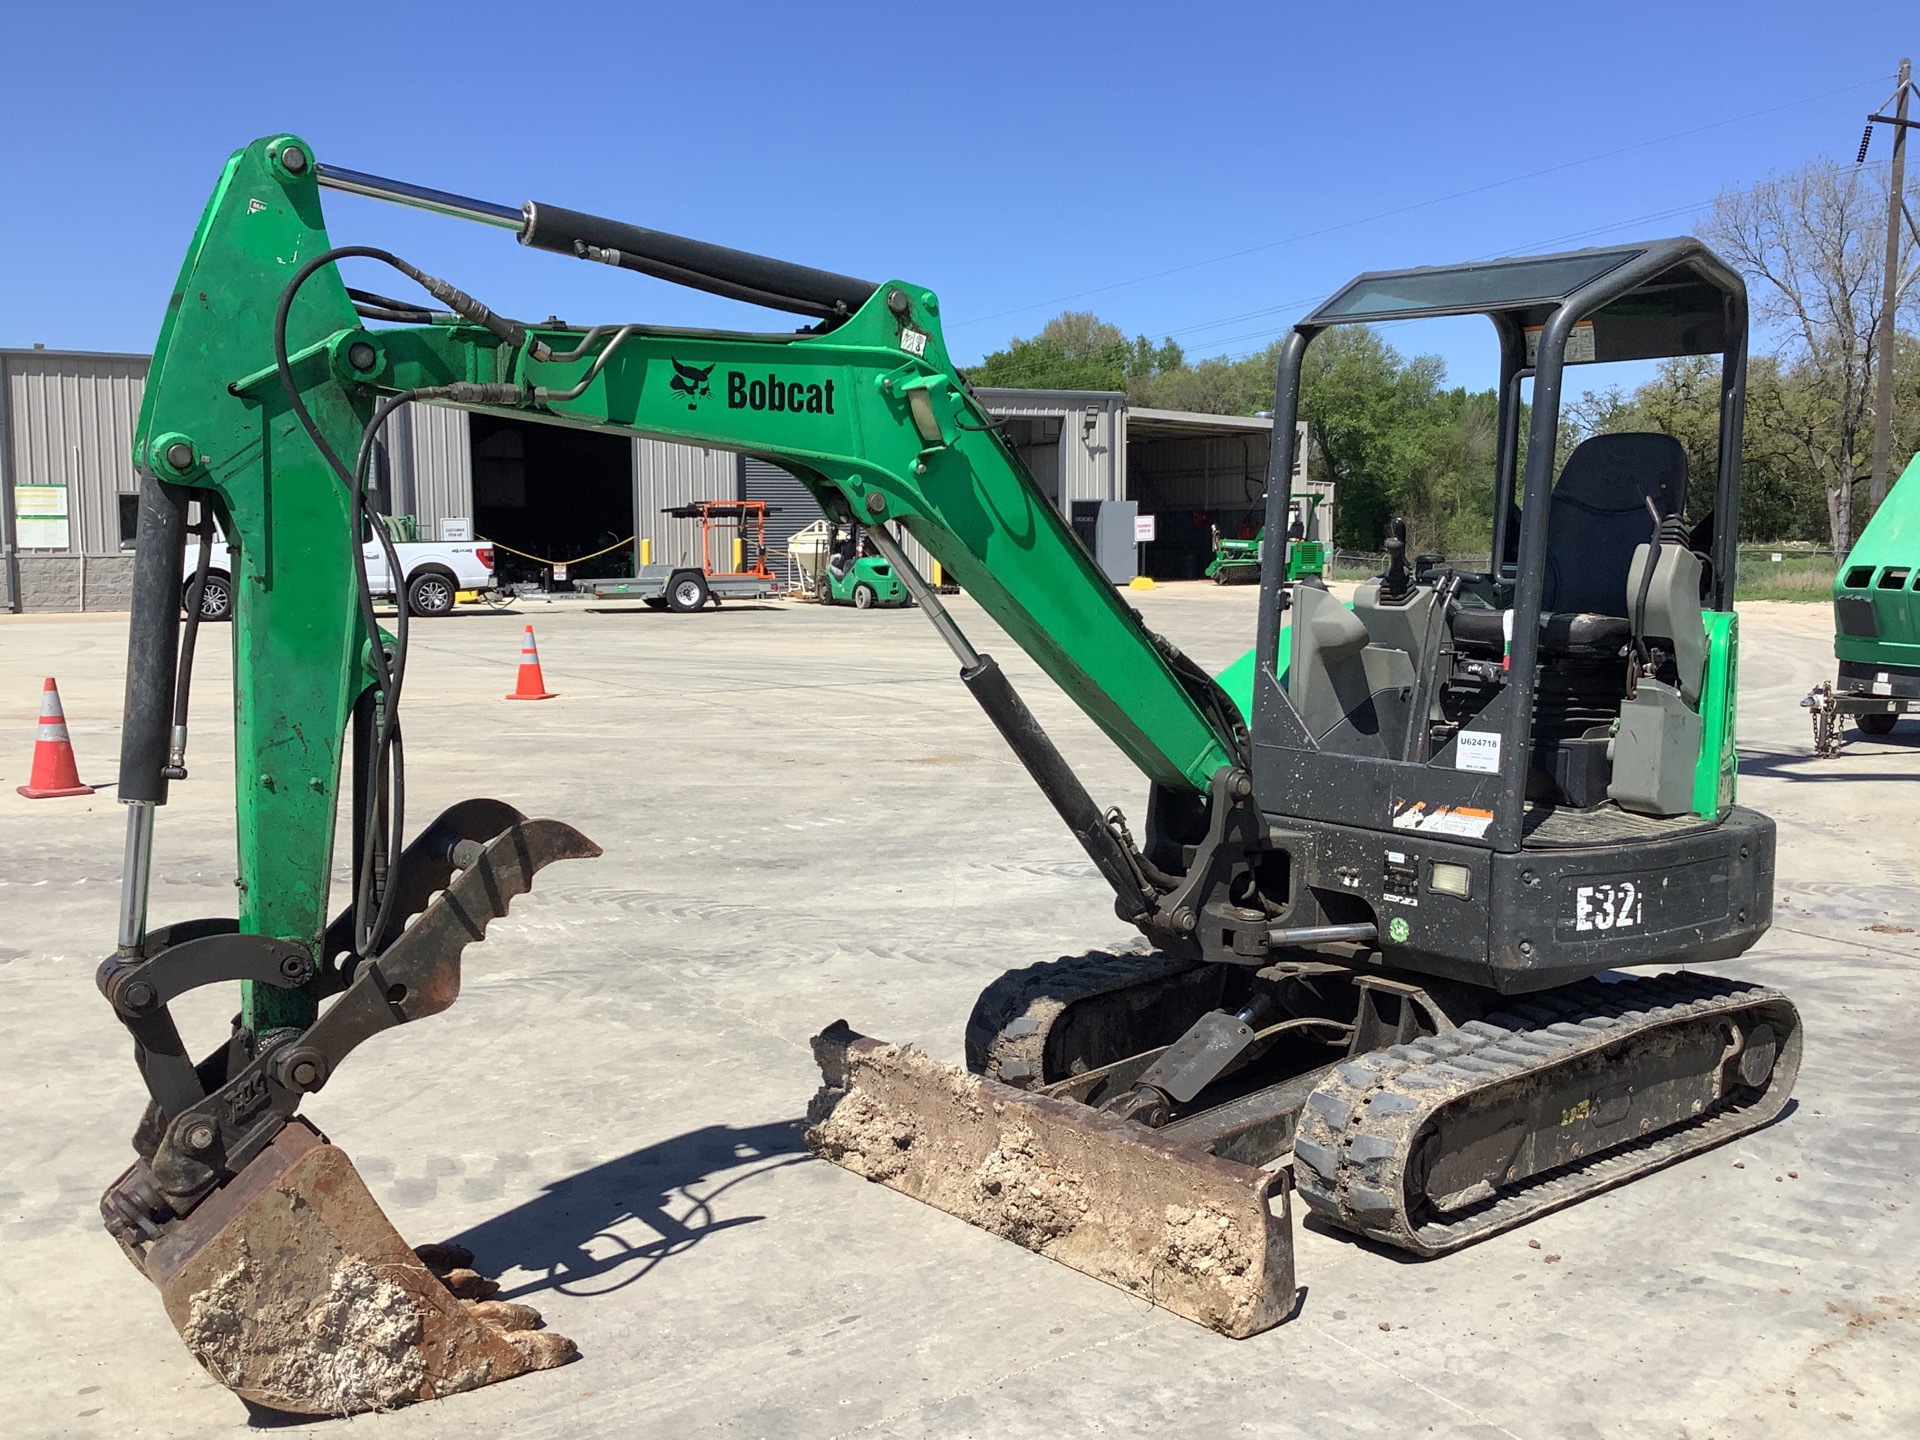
(790, 505)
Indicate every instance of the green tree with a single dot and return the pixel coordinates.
(1372, 416)
(1780, 499)
(1811, 244)
(1073, 351)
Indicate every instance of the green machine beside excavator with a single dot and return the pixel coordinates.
(1876, 619)
(1236, 560)
(1389, 869)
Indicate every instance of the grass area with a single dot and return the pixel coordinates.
(1800, 576)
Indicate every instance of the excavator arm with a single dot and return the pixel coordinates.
(267, 389)
(870, 413)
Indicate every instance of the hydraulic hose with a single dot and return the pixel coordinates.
(176, 768)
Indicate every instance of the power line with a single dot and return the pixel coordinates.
(1418, 205)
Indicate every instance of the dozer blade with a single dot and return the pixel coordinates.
(1206, 1238)
(293, 1289)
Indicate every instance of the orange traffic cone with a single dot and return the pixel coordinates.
(531, 685)
(54, 772)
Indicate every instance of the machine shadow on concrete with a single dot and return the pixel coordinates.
(569, 1237)
(1800, 766)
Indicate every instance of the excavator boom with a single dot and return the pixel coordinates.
(267, 388)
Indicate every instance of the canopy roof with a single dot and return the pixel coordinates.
(1645, 301)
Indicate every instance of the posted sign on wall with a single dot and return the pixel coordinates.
(41, 515)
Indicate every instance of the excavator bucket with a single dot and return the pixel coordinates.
(1206, 1238)
(293, 1289)
(280, 1271)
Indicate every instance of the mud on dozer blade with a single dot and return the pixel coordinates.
(280, 1271)
(1208, 1239)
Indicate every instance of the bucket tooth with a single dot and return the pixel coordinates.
(1206, 1238)
(294, 1290)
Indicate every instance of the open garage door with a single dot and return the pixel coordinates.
(1194, 473)
(554, 492)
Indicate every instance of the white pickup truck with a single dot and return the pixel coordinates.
(435, 572)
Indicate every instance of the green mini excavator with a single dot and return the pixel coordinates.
(1388, 870)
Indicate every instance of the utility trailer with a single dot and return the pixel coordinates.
(733, 561)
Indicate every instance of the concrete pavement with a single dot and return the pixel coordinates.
(805, 817)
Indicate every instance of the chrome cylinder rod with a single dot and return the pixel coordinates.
(421, 197)
(1322, 935)
(135, 864)
(923, 596)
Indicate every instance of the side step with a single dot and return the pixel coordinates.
(1208, 1239)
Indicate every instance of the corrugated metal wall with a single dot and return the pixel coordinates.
(666, 474)
(791, 504)
(1093, 439)
(70, 420)
(442, 479)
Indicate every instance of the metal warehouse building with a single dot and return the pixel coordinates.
(557, 493)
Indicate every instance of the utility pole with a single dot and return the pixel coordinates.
(1890, 294)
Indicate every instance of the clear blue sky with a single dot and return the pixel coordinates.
(1019, 159)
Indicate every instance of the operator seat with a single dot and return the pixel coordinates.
(1597, 520)
(1597, 526)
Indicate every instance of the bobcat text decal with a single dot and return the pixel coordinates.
(773, 393)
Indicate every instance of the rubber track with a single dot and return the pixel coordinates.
(1361, 1125)
(1014, 1015)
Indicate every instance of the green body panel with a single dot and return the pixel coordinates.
(888, 588)
(1716, 774)
(299, 648)
(1237, 679)
(839, 409)
(1890, 541)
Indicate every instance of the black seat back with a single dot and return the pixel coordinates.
(1599, 517)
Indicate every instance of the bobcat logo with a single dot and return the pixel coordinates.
(690, 382)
